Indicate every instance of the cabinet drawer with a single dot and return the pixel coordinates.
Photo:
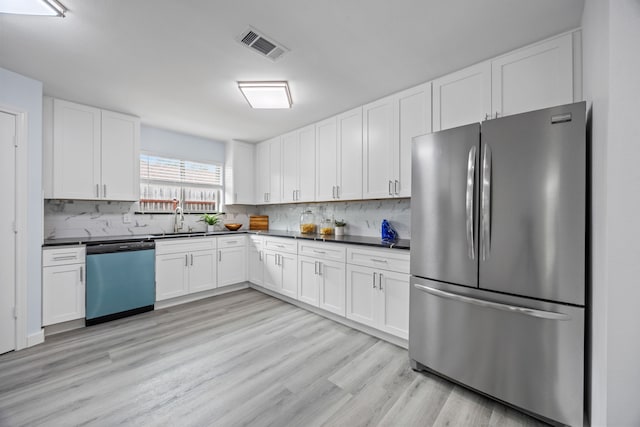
(281, 244)
(231, 241)
(256, 241)
(63, 256)
(385, 259)
(328, 251)
(173, 246)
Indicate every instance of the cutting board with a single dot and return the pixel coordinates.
(258, 222)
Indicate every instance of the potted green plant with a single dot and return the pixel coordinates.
(211, 220)
(339, 230)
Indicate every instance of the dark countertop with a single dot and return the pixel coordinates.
(352, 240)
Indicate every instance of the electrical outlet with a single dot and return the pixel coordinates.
(126, 218)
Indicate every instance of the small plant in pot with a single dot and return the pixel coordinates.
(211, 220)
(340, 224)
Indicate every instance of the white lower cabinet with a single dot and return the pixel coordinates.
(256, 260)
(185, 266)
(232, 260)
(281, 273)
(321, 283)
(63, 285)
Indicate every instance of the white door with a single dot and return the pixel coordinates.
(462, 97)
(394, 309)
(380, 142)
(202, 271)
(331, 283)
(120, 157)
(7, 235)
(255, 265)
(272, 273)
(63, 293)
(171, 275)
(289, 268)
(262, 172)
(326, 159)
(275, 167)
(362, 294)
(232, 264)
(307, 283)
(350, 155)
(290, 172)
(307, 169)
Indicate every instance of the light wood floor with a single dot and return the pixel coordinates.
(239, 359)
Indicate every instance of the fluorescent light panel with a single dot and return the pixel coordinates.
(33, 7)
(270, 95)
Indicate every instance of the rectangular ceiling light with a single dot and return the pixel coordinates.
(33, 7)
(266, 94)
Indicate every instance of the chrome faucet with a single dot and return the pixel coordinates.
(178, 220)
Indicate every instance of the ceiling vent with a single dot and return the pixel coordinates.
(258, 42)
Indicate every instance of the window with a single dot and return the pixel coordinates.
(167, 183)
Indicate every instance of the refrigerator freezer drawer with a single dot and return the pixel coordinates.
(525, 352)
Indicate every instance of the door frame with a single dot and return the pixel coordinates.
(21, 243)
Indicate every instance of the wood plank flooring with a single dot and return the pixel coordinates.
(238, 359)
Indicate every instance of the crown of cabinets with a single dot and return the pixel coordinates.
(89, 153)
(365, 153)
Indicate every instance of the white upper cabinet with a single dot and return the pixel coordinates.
(269, 177)
(349, 182)
(239, 173)
(299, 165)
(462, 97)
(90, 153)
(326, 159)
(532, 78)
(389, 125)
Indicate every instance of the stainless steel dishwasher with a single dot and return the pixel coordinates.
(120, 280)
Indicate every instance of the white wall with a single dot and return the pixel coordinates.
(187, 147)
(611, 30)
(25, 94)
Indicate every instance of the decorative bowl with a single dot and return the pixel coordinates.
(233, 227)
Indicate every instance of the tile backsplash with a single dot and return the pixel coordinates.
(79, 218)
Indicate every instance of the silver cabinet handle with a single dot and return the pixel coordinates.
(219, 255)
(380, 281)
(319, 252)
(485, 203)
(378, 260)
(81, 274)
(333, 192)
(497, 114)
(320, 268)
(97, 190)
(471, 175)
(552, 315)
(298, 195)
(186, 260)
(486, 116)
(231, 242)
(293, 195)
(64, 257)
(390, 184)
(396, 184)
(235, 197)
(337, 191)
(260, 255)
(275, 259)
(191, 259)
(105, 190)
(315, 267)
(374, 281)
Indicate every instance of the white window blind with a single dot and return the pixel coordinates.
(166, 183)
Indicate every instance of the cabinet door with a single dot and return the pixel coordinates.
(290, 166)
(331, 281)
(239, 173)
(76, 151)
(63, 293)
(326, 159)
(289, 269)
(272, 271)
(532, 78)
(414, 119)
(462, 97)
(263, 172)
(380, 144)
(202, 271)
(350, 155)
(255, 266)
(275, 175)
(307, 162)
(120, 157)
(362, 295)
(232, 265)
(394, 303)
(307, 280)
(171, 275)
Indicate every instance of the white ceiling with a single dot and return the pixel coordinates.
(175, 63)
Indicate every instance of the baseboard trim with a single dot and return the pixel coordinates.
(400, 342)
(35, 339)
(58, 328)
(200, 295)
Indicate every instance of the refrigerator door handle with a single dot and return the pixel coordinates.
(485, 203)
(471, 168)
(542, 314)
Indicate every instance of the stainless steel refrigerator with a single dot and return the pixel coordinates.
(498, 259)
